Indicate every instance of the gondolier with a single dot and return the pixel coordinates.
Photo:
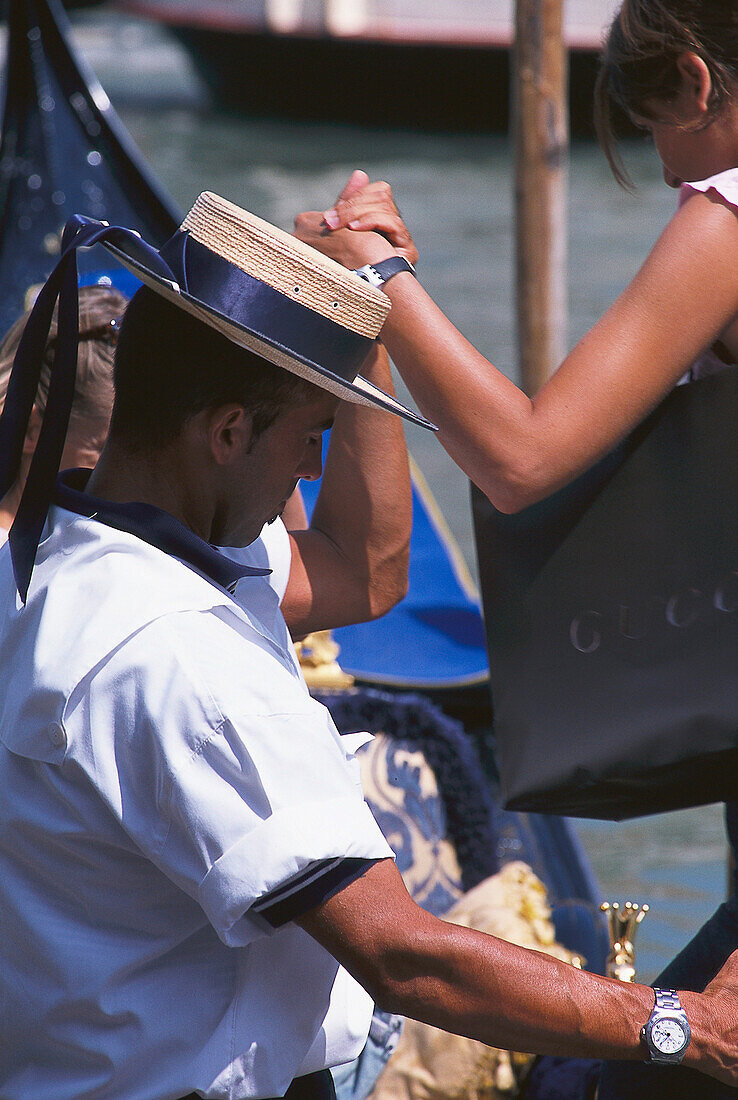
(186, 860)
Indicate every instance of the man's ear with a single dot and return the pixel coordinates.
(32, 431)
(696, 81)
(230, 433)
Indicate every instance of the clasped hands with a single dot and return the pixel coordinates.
(364, 226)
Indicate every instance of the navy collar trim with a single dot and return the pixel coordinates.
(154, 526)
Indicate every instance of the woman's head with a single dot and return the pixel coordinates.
(100, 310)
(642, 71)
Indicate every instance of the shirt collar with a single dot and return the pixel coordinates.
(154, 526)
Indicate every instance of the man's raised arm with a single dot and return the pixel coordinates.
(350, 564)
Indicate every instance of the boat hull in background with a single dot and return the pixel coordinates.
(370, 83)
(394, 68)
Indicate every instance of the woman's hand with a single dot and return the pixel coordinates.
(363, 206)
(363, 227)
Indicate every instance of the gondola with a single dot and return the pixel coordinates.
(64, 151)
(419, 670)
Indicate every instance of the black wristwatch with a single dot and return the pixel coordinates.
(380, 273)
(666, 1033)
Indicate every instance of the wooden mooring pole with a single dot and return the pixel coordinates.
(541, 135)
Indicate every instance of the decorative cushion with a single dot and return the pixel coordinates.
(424, 782)
(430, 1064)
(402, 792)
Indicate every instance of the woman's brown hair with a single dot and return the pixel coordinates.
(640, 54)
(100, 311)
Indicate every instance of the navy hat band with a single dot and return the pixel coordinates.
(198, 276)
(245, 301)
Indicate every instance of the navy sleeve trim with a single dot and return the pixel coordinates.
(316, 884)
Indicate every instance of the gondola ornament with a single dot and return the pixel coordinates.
(623, 924)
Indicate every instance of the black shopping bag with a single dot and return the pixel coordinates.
(611, 611)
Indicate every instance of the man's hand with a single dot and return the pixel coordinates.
(720, 1055)
(363, 206)
(363, 227)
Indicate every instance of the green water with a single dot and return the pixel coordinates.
(456, 195)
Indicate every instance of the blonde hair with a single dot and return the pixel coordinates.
(100, 312)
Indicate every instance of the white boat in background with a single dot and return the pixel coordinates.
(430, 65)
(470, 22)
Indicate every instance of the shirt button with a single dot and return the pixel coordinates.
(57, 735)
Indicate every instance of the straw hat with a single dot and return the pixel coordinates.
(269, 292)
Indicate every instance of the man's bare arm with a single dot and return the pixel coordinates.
(350, 564)
(506, 996)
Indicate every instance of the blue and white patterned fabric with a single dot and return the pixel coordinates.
(413, 742)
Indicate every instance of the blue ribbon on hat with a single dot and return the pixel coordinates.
(79, 232)
(201, 277)
(276, 320)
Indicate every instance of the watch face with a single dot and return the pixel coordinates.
(668, 1036)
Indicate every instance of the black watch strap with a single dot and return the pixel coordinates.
(380, 273)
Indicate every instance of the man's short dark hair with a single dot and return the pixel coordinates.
(169, 366)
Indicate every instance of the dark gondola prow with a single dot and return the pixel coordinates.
(64, 151)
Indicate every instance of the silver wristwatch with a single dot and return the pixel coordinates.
(378, 274)
(666, 1033)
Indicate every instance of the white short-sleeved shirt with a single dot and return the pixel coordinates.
(171, 799)
(272, 550)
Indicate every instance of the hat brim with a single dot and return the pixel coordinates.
(360, 391)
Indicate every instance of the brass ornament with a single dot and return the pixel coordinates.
(622, 923)
(317, 654)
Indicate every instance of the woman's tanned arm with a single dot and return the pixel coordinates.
(519, 449)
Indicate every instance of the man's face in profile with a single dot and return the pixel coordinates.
(289, 449)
